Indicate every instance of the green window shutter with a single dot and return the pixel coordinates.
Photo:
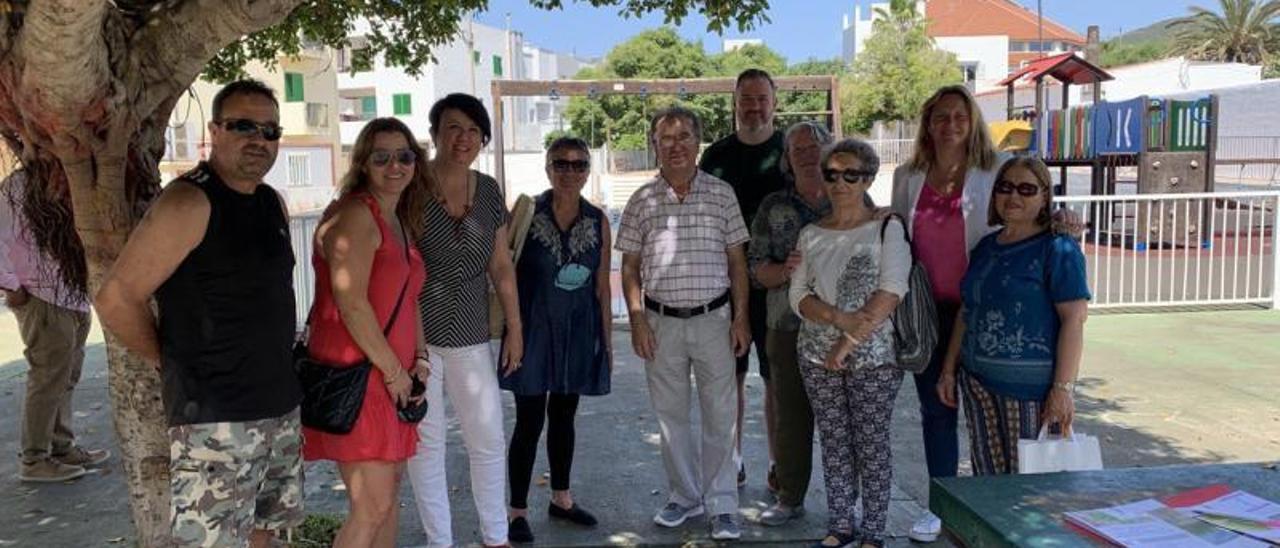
(475, 57)
(369, 107)
(293, 87)
(497, 66)
(402, 103)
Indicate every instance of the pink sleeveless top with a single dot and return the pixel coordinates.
(938, 241)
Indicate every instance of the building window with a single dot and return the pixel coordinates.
(497, 66)
(970, 71)
(368, 107)
(317, 115)
(293, 87)
(401, 104)
(475, 57)
(299, 169)
(180, 142)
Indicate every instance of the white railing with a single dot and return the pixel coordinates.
(893, 151)
(1249, 158)
(301, 229)
(1181, 249)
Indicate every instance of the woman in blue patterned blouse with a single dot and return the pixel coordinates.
(1020, 334)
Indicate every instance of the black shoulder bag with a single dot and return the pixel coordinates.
(332, 395)
(915, 320)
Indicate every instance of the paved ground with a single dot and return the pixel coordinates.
(1158, 388)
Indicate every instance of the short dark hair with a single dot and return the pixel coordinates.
(469, 106)
(675, 111)
(568, 142)
(752, 74)
(247, 86)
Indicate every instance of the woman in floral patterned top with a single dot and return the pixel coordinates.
(852, 273)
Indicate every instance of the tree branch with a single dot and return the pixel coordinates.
(174, 46)
(64, 73)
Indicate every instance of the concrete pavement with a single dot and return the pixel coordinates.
(1158, 388)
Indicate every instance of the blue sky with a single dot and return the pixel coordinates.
(800, 28)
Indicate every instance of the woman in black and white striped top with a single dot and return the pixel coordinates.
(463, 246)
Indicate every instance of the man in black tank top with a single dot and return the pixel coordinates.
(214, 251)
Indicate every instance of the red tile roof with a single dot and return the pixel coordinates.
(1065, 67)
(992, 17)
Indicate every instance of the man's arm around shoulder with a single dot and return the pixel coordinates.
(173, 227)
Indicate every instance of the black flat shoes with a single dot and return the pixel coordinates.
(575, 514)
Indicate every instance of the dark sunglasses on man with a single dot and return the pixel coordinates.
(565, 166)
(270, 131)
(852, 176)
(404, 157)
(1023, 189)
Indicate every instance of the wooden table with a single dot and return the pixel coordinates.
(1028, 510)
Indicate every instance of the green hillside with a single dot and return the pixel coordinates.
(1148, 43)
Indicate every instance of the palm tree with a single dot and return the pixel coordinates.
(1245, 32)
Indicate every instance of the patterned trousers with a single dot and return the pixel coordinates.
(996, 423)
(853, 410)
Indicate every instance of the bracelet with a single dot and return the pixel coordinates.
(423, 357)
(394, 378)
(855, 342)
(1066, 386)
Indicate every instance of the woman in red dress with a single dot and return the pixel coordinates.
(364, 259)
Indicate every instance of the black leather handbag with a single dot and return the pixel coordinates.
(414, 413)
(332, 394)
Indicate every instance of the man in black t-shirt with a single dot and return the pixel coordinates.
(749, 160)
(214, 250)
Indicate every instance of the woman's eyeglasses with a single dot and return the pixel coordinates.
(270, 131)
(848, 175)
(1023, 189)
(565, 166)
(404, 157)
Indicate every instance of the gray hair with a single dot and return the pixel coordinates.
(675, 111)
(820, 136)
(858, 148)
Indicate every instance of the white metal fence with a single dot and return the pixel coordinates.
(301, 229)
(1249, 158)
(1181, 249)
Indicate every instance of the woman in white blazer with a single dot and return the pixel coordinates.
(943, 193)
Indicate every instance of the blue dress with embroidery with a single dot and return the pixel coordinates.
(564, 339)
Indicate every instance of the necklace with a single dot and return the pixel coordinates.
(443, 200)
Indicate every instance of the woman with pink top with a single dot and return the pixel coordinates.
(943, 192)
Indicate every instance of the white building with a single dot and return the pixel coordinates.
(732, 44)
(990, 38)
(310, 160)
(469, 64)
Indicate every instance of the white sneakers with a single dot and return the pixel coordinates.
(926, 529)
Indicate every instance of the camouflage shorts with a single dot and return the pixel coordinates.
(229, 478)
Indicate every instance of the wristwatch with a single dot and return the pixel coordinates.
(1068, 386)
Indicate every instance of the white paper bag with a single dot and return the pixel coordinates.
(1069, 453)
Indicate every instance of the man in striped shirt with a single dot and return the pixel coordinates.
(682, 238)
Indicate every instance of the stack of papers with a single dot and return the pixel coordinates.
(1216, 516)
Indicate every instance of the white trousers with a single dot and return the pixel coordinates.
(469, 376)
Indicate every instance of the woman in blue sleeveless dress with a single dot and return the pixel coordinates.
(563, 282)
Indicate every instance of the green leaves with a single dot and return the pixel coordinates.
(1245, 32)
(898, 69)
(403, 32)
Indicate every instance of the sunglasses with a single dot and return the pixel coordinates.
(270, 131)
(852, 176)
(404, 157)
(565, 166)
(1023, 189)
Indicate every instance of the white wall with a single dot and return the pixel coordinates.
(990, 53)
(1175, 75)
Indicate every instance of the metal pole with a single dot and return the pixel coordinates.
(1040, 26)
(1275, 253)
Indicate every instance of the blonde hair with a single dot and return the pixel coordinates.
(413, 200)
(980, 151)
